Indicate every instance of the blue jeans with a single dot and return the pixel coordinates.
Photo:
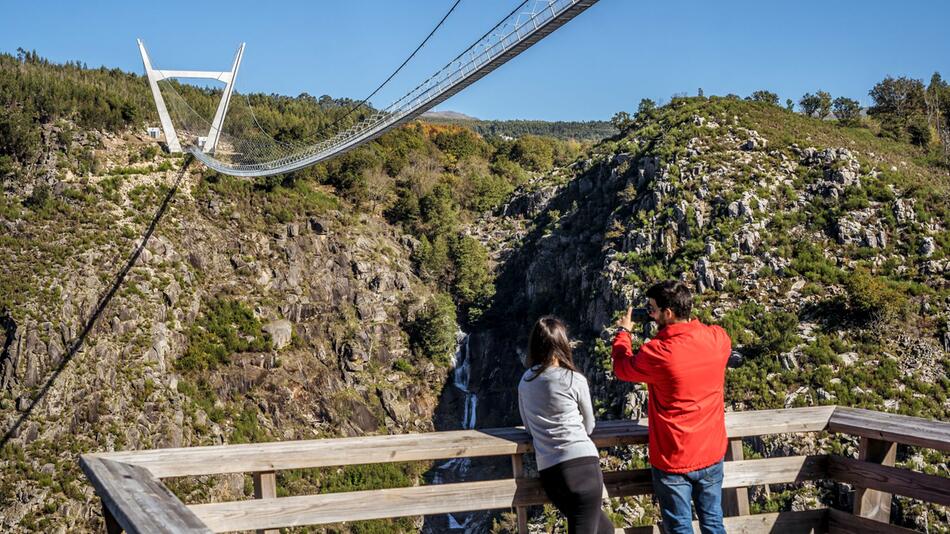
(678, 491)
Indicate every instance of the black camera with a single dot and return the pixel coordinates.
(640, 315)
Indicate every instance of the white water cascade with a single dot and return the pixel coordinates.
(458, 467)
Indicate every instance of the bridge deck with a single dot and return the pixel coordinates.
(455, 81)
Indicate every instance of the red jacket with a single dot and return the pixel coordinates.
(684, 368)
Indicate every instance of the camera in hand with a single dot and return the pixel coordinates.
(640, 315)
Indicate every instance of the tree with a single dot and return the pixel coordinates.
(919, 130)
(645, 109)
(764, 96)
(824, 104)
(809, 104)
(847, 111)
(896, 102)
(933, 96)
(789, 104)
(622, 121)
(533, 153)
(473, 286)
(432, 333)
(438, 211)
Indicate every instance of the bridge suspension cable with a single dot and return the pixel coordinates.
(242, 150)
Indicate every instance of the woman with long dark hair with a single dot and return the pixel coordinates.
(555, 406)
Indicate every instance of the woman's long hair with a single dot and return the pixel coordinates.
(548, 343)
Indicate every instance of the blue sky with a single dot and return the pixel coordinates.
(604, 61)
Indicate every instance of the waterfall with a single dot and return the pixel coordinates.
(458, 467)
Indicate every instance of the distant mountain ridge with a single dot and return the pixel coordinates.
(448, 115)
(578, 130)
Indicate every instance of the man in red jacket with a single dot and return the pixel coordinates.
(684, 368)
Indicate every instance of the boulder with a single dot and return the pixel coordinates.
(281, 333)
(904, 210)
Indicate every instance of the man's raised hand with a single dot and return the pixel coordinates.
(626, 321)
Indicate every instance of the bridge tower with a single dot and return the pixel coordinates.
(155, 75)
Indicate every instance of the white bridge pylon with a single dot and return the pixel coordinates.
(156, 75)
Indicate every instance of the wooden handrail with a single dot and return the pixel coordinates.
(902, 429)
(469, 496)
(281, 455)
(136, 501)
(931, 488)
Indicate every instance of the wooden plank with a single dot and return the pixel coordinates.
(804, 522)
(735, 501)
(930, 488)
(265, 487)
(891, 427)
(786, 469)
(112, 526)
(276, 456)
(844, 523)
(517, 471)
(467, 496)
(736, 474)
(375, 504)
(868, 502)
(763, 422)
(137, 501)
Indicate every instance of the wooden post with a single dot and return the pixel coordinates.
(112, 526)
(735, 501)
(265, 487)
(870, 503)
(517, 470)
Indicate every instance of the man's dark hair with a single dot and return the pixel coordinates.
(674, 295)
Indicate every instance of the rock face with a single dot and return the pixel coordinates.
(280, 333)
(331, 291)
(762, 231)
(736, 217)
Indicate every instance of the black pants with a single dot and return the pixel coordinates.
(575, 489)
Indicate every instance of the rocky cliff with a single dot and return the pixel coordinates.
(288, 310)
(249, 315)
(821, 249)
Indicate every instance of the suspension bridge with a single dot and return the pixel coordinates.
(240, 153)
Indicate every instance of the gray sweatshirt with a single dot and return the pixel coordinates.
(556, 410)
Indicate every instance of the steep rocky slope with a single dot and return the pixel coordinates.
(821, 249)
(250, 315)
(269, 310)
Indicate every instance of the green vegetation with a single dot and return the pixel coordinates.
(432, 333)
(226, 327)
(581, 131)
(817, 105)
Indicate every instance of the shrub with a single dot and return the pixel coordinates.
(847, 111)
(461, 143)
(919, 131)
(870, 299)
(473, 287)
(533, 153)
(227, 326)
(432, 333)
(764, 96)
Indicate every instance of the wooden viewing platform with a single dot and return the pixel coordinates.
(135, 500)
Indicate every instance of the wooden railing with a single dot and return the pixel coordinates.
(135, 500)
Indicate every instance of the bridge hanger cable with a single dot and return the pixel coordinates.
(395, 72)
(247, 153)
(349, 112)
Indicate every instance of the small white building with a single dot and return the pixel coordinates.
(202, 141)
(154, 132)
